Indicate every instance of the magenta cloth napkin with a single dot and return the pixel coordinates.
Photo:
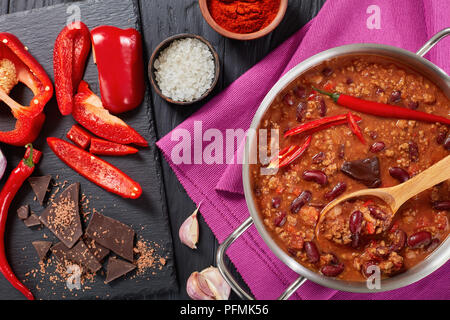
(407, 24)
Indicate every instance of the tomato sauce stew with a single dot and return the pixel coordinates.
(359, 233)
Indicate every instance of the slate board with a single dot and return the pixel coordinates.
(38, 29)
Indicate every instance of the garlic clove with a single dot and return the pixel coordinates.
(189, 231)
(193, 288)
(216, 283)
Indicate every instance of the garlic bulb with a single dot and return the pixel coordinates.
(208, 285)
(188, 232)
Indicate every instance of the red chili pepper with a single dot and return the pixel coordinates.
(71, 51)
(9, 191)
(289, 155)
(90, 113)
(79, 136)
(355, 128)
(370, 228)
(95, 169)
(367, 203)
(121, 74)
(18, 65)
(107, 148)
(382, 109)
(319, 124)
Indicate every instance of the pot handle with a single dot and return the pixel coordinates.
(229, 277)
(433, 41)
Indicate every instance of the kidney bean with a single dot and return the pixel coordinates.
(398, 241)
(365, 268)
(399, 173)
(440, 139)
(349, 81)
(413, 151)
(300, 92)
(301, 110)
(413, 105)
(318, 158)
(288, 100)
(447, 143)
(327, 72)
(396, 96)
(276, 202)
(341, 151)
(300, 201)
(332, 270)
(312, 252)
(280, 219)
(379, 91)
(377, 213)
(355, 222)
(355, 240)
(339, 189)
(433, 245)
(377, 147)
(419, 239)
(316, 176)
(441, 205)
(373, 135)
(322, 108)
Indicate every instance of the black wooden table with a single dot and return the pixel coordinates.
(161, 19)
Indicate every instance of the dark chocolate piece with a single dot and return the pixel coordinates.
(32, 221)
(78, 254)
(117, 268)
(23, 212)
(112, 234)
(99, 251)
(40, 186)
(42, 248)
(366, 171)
(62, 217)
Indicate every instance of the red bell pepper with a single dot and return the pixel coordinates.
(71, 51)
(90, 113)
(119, 57)
(9, 191)
(18, 65)
(79, 136)
(108, 148)
(95, 169)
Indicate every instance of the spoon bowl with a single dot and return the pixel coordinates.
(396, 196)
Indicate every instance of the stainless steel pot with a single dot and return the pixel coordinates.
(430, 264)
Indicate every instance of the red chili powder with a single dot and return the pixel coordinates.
(243, 16)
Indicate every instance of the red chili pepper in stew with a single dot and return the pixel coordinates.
(119, 57)
(95, 169)
(289, 155)
(319, 124)
(18, 65)
(9, 191)
(71, 50)
(355, 128)
(382, 109)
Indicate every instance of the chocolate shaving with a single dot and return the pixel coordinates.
(117, 268)
(366, 171)
(78, 254)
(40, 186)
(62, 217)
(42, 248)
(99, 251)
(23, 212)
(112, 234)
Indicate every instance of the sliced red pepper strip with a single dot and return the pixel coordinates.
(71, 51)
(79, 136)
(355, 128)
(121, 75)
(108, 148)
(382, 109)
(24, 69)
(18, 176)
(289, 154)
(90, 113)
(321, 124)
(95, 169)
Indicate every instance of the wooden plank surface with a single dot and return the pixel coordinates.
(163, 18)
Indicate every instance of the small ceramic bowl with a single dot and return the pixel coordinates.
(243, 36)
(163, 45)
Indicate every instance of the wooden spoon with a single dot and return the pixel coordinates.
(396, 196)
